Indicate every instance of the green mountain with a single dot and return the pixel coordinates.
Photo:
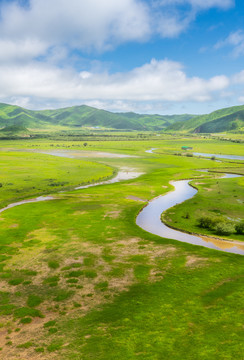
(228, 119)
(15, 129)
(78, 116)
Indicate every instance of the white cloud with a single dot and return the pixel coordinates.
(241, 99)
(156, 81)
(94, 24)
(174, 16)
(22, 50)
(79, 24)
(20, 101)
(36, 44)
(235, 40)
(238, 78)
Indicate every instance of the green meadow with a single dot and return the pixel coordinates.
(80, 280)
(25, 175)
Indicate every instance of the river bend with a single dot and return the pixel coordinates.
(149, 218)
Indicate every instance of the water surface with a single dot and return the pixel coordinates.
(220, 156)
(149, 219)
(37, 199)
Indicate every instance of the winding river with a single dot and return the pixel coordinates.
(149, 218)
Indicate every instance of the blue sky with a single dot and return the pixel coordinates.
(147, 56)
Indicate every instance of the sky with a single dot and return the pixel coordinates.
(146, 56)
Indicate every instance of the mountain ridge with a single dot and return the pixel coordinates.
(226, 119)
(229, 119)
(85, 116)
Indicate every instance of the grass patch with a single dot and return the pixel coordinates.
(24, 311)
(26, 345)
(15, 282)
(34, 300)
(50, 323)
(74, 273)
(52, 264)
(63, 295)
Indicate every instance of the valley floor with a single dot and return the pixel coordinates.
(80, 280)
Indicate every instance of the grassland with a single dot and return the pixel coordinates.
(79, 279)
(27, 175)
(221, 201)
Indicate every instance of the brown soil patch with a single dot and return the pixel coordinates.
(112, 263)
(194, 261)
(131, 197)
(113, 214)
(13, 226)
(79, 213)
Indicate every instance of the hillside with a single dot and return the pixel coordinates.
(227, 119)
(84, 116)
(14, 129)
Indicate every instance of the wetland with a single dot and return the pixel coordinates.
(80, 279)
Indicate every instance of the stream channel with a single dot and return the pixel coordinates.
(149, 218)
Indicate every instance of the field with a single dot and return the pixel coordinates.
(80, 280)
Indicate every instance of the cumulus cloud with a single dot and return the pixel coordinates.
(92, 24)
(155, 81)
(95, 24)
(37, 40)
(22, 50)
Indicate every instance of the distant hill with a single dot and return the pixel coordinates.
(78, 116)
(15, 129)
(228, 119)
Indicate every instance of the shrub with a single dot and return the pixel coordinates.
(240, 228)
(207, 222)
(224, 228)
